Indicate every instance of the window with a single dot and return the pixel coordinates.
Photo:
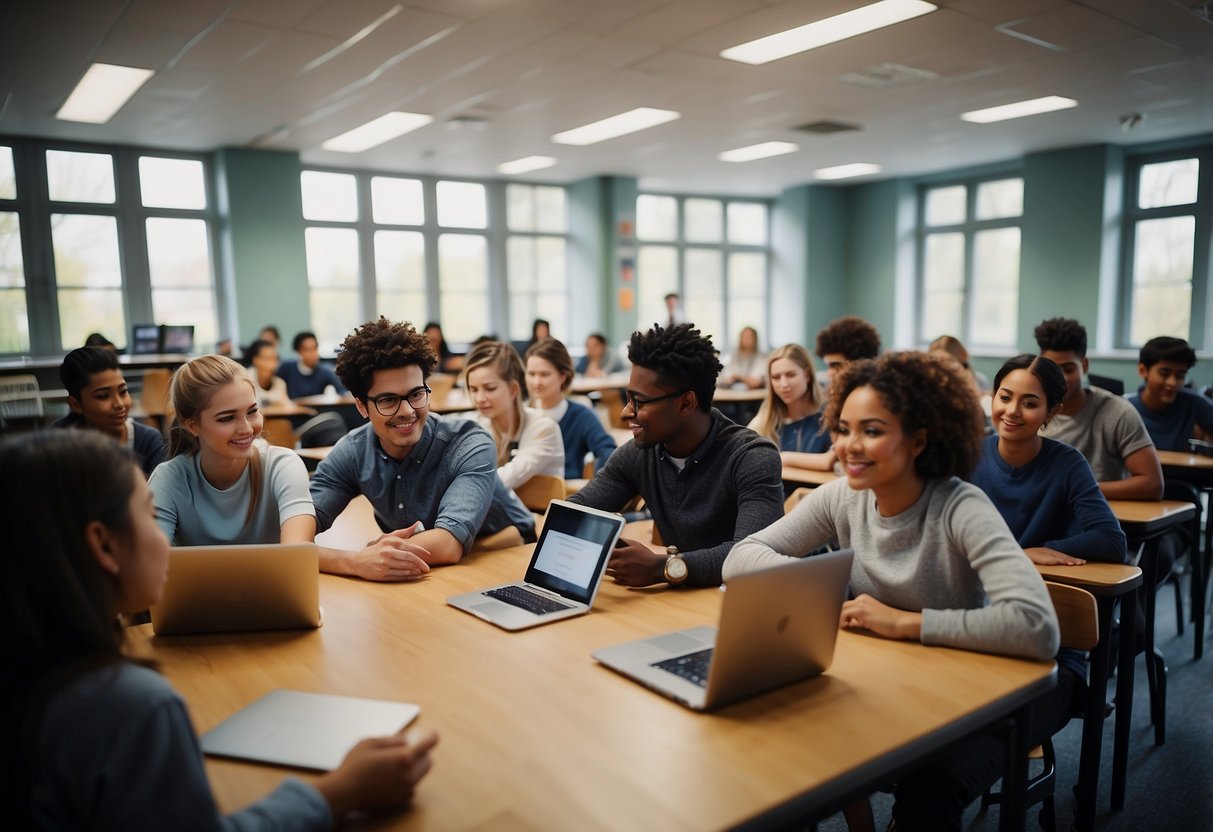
(416, 249)
(969, 261)
(714, 253)
(14, 315)
(1166, 245)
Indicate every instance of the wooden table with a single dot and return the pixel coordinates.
(803, 476)
(1109, 583)
(535, 735)
(593, 384)
(1196, 470)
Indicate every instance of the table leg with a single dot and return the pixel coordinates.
(1093, 718)
(1156, 666)
(1124, 697)
(1198, 593)
(1012, 810)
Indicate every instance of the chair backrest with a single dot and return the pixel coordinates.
(612, 400)
(540, 490)
(19, 397)
(794, 499)
(278, 431)
(1112, 385)
(154, 398)
(440, 385)
(1076, 614)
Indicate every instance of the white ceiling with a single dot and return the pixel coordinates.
(501, 76)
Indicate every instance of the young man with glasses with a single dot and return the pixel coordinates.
(707, 481)
(412, 466)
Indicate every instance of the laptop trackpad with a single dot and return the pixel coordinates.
(486, 609)
(676, 643)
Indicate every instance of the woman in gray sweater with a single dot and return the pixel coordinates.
(934, 560)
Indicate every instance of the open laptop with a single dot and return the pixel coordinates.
(563, 576)
(214, 589)
(777, 626)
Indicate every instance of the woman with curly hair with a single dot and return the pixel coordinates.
(934, 560)
(790, 415)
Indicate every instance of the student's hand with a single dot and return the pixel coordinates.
(379, 773)
(392, 558)
(1051, 557)
(634, 564)
(866, 613)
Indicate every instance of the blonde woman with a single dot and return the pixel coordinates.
(222, 482)
(790, 415)
(528, 443)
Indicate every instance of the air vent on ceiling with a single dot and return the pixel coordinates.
(883, 76)
(825, 128)
(466, 122)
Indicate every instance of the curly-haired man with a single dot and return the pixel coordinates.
(707, 481)
(414, 467)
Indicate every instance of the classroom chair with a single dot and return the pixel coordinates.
(612, 400)
(1079, 622)
(794, 499)
(540, 490)
(154, 399)
(1191, 537)
(20, 399)
(1112, 385)
(440, 385)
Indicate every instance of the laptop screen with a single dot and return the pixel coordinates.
(572, 550)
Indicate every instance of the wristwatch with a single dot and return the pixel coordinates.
(675, 566)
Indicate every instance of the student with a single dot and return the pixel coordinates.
(674, 311)
(599, 359)
(1043, 488)
(747, 366)
(413, 466)
(448, 362)
(96, 339)
(1171, 413)
(1104, 427)
(707, 481)
(262, 357)
(94, 739)
(270, 333)
(223, 483)
(844, 340)
(549, 372)
(540, 329)
(790, 415)
(307, 376)
(528, 442)
(99, 398)
(953, 346)
(934, 561)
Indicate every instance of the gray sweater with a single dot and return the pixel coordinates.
(949, 556)
(729, 488)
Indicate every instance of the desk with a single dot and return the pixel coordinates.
(803, 476)
(594, 384)
(1145, 523)
(1108, 582)
(536, 736)
(1196, 470)
(728, 394)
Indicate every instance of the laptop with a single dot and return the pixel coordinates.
(563, 576)
(213, 589)
(777, 626)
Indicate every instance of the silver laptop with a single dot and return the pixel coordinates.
(214, 589)
(777, 626)
(563, 576)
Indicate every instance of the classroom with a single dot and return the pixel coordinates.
(487, 165)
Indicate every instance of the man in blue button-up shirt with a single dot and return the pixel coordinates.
(412, 466)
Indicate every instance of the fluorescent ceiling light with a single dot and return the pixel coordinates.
(526, 165)
(758, 151)
(1019, 109)
(828, 30)
(102, 92)
(383, 129)
(847, 171)
(641, 118)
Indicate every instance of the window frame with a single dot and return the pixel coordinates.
(970, 226)
(1200, 322)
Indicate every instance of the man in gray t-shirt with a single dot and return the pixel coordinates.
(1104, 427)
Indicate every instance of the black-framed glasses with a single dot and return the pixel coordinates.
(638, 402)
(389, 403)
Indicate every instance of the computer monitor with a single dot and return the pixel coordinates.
(177, 338)
(145, 339)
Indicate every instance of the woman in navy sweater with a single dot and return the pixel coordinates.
(1043, 488)
(549, 372)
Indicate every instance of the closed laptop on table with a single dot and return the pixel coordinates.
(777, 626)
(563, 576)
(213, 589)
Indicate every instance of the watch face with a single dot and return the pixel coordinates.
(676, 569)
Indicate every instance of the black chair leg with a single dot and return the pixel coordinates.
(1158, 705)
(1179, 603)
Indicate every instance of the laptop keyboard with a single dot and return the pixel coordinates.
(529, 601)
(693, 667)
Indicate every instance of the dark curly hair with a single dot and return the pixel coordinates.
(381, 345)
(850, 336)
(1062, 335)
(1052, 379)
(925, 392)
(681, 356)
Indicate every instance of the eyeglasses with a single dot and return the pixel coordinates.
(638, 402)
(389, 403)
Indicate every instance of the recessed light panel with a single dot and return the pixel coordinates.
(526, 165)
(383, 129)
(758, 151)
(642, 118)
(102, 92)
(1019, 109)
(847, 171)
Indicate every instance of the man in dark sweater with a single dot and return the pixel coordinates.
(707, 481)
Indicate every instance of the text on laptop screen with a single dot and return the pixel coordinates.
(571, 551)
(568, 558)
